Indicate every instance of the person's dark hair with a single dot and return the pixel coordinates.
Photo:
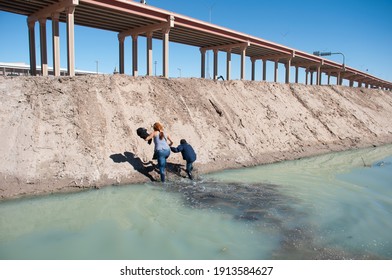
(183, 141)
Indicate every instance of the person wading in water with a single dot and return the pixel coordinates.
(162, 142)
(188, 154)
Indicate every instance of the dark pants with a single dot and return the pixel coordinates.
(162, 155)
(189, 168)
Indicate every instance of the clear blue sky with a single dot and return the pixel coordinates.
(362, 30)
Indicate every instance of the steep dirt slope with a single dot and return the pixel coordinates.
(60, 134)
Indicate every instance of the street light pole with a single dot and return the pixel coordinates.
(318, 53)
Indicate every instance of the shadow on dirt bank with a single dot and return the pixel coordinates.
(146, 168)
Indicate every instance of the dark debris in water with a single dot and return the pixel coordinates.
(248, 202)
(263, 205)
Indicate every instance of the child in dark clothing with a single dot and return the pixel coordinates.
(188, 154)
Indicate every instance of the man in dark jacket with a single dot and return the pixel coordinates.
(188, 154)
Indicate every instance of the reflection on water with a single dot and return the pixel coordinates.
(336, 206)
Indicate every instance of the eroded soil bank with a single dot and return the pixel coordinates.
(64, 134)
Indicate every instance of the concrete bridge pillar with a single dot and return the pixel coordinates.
(134, 56)
(215, 64)
(203, 62)
(306, 76)
(288, 65)
(44, 53)
(253, 69)
(264, 69)
(165, 54)
(53, 11)
(276, 71)
(149, 53)
(121, 40)
(311, 77)
(70, 40)
(318, 73)
(243, 56)
(338, 79)
(228, 65)
(296, 74)
(56, 43)
(33, 63)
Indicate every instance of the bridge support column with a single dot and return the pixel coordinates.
(264, 69)
(288, 65)
(296, 74)
(56, 44)
(44, 52)
(253, 69)
(318, 78)
(165, 55)
(276, 71)
(149, 54)
(306, 76)
(228, 65)
(71, 41)
(338, 80)
(33, 63)
(215, 64)
(121, 40)
(203, 62)
(311, 77)
(243, 53)
(134, 56)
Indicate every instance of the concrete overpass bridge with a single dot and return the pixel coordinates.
(135, 20)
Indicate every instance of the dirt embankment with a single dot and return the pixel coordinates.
(62, 134)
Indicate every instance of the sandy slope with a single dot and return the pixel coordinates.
(62, 134)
